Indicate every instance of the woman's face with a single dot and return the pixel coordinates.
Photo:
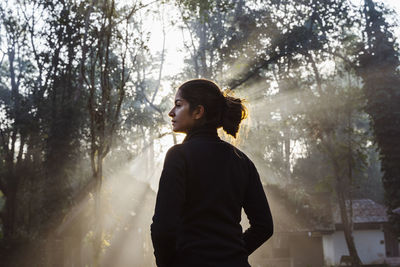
(182, 119)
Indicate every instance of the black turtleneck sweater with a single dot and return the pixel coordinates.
(204, 185)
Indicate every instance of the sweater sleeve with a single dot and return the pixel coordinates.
(258, 212)
(169, 203)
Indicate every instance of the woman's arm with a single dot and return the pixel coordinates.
(258, 212)
(170, 198)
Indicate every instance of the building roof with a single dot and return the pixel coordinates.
(318, 213)
(364, 211)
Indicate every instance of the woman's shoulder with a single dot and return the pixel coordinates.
(237, 152)
(243, 156)
(175, 152)
(175, 149)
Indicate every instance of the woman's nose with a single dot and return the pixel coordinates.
(171, 113)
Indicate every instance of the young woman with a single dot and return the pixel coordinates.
(204, 185)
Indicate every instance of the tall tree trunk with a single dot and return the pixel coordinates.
(13, 180)
(347, 229)
(286, 143)
(98, 233)
(10, 209)
(341, 189)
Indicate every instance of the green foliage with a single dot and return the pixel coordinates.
(204, 9)
(378, 67)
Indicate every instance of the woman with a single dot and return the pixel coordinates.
(204, 185)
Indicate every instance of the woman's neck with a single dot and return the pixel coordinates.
(201, 131)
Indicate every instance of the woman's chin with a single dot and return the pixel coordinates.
(177, 130)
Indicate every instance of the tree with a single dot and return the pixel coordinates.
(378, 67)
(13, 120)
(105, 73)
(338, 138)
(211, 25)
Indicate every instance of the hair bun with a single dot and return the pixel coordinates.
(234, 112)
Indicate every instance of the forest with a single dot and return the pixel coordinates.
(85, 91)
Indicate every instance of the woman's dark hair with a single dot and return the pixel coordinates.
(220, 109)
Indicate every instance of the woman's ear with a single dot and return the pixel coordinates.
(198, 112)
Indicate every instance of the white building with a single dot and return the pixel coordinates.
(372, 238)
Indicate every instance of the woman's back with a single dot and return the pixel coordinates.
(216, 181)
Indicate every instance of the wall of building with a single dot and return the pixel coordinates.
(369, 243)
(328, 249)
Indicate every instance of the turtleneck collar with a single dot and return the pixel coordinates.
(201, 132)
